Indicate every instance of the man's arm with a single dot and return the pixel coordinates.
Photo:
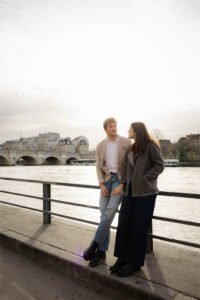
(100, 174)
(119, 189)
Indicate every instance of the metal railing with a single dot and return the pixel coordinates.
(47, 213)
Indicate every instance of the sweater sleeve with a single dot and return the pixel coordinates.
(100, 175)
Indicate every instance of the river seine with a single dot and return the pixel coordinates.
(173, 179)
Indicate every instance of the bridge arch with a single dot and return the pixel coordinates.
(26, 160)
(52, 160)
(70, 160)
(4, 161)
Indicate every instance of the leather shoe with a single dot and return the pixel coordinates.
(127, 270)
(117, 265)
(98, 258)
(90, 251)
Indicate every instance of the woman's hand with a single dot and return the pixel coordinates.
(118, 190)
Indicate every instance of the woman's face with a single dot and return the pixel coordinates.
(131, 133)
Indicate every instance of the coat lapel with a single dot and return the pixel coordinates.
(103, 150)
(130, 158)
(119, 144)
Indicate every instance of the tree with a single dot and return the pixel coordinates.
(158, 134)
(192, 156)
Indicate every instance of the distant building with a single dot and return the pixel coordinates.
(167, 149)
(81, 144)
(189, 147)
(66, 141)
(49, 141)
(194, 141)
(186, 149)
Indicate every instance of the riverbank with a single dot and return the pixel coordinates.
(172, 272)
(190, 164)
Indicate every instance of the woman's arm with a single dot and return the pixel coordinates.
(157, 160)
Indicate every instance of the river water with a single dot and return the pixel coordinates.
(177, 179)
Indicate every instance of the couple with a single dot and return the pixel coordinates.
(131, 170)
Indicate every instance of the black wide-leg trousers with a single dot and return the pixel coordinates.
(134, 220)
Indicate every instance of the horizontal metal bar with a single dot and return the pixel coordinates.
(21, 180)
(22, 195)
(73, 218)
(51, 213)
(95, 207)
(87, 186)
(177, 194)
(161, 193)
(181, 242)
(185, 243)
(22, 206)
(74, 204)
(53, 200)
(154, 217)
(176, 221)
(113, 227)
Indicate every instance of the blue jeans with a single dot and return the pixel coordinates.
(108, 207)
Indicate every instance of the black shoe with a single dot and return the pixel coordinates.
(117, 265)
(90, 251)
(127, 270)
(98, 258)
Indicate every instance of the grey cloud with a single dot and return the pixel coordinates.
(30, 113)
(14, 103)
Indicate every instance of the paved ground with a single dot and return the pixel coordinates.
(172, 272)
(21, 278)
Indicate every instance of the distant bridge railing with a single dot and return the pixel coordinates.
(47, 213)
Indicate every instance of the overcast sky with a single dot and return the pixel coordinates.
(66, 65)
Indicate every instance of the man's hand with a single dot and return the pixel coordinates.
(104, 189)
(118, 190)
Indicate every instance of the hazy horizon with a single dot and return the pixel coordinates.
(67, 65)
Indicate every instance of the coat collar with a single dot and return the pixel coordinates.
(116, 140)
(131, 157)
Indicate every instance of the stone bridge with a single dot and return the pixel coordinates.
(11, 157)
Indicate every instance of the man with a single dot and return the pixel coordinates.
(110, 157)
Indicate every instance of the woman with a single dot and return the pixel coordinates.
(139, 182)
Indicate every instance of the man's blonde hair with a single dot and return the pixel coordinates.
(109, 121)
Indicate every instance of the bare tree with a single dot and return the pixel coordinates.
(158, 134)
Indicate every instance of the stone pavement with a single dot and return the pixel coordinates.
(23, 278)
(171, 272)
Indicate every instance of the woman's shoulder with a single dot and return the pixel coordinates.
(153, 146)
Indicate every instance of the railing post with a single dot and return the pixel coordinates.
(150, 239)
(46, 203)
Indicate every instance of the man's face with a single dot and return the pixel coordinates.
(111, 129)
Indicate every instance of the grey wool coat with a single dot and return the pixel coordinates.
(141, 172)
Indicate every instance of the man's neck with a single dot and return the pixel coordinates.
(112, 137)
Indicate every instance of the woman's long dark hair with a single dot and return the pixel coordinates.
(143, 138)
